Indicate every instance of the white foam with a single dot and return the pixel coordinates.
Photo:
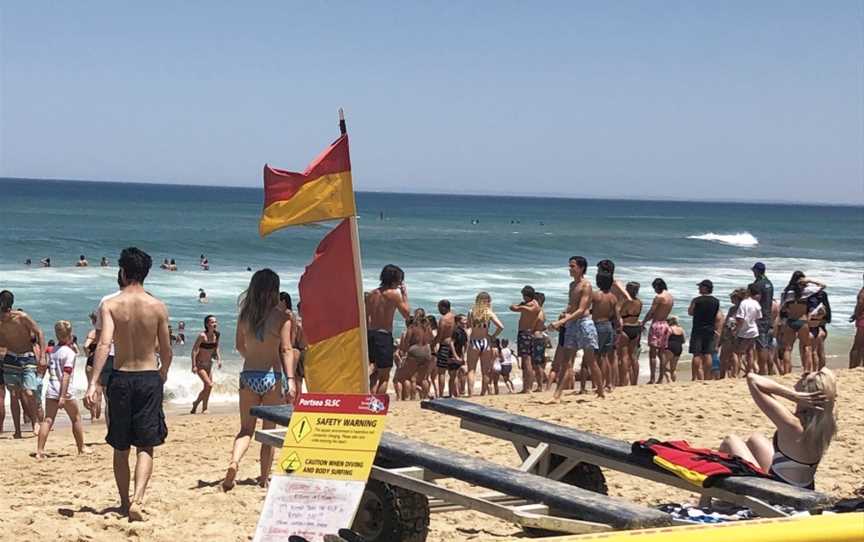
(741, 239)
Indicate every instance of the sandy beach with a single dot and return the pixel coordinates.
(73, 498)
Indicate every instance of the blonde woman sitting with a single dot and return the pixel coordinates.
(802, 437)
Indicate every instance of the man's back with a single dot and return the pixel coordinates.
(381, 306)
(15, 334)
(603, 305)
(137, 318)
(445, 326)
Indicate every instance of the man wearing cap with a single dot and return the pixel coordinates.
(703, 337)
(765, 339)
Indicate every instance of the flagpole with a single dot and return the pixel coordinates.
(358, 278)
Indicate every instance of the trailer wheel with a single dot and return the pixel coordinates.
(391, 514)
(584, 475)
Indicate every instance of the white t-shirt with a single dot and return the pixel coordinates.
(506, 356)
(98, 324)
(749, 311)
(61, 360)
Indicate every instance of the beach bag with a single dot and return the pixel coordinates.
(496, 366)
(699, 466)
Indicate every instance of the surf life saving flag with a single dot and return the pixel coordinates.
(322, 192)
(331, 317)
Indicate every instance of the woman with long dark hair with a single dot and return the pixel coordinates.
(204, 352)
(262, 330)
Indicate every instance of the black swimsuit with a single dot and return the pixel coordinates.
(632, 330)
(675, 344)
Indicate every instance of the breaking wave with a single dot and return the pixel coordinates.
(742, 239)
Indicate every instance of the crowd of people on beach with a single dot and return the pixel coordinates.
(447, 354)
(129, 350)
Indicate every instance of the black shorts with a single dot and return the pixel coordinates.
(702, 342)
(135, 404)
(524, 343)
(538, 351)
(381, 348)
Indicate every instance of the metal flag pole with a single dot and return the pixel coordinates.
(358, 277)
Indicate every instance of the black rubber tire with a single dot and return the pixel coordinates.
(391, 514)
(584, 475)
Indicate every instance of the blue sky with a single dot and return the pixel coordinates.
(728, 100)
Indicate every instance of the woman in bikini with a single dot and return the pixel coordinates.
(480, 346)
(415, 345)
(631, 335)
(204, 352)
(262, 327)
(794, 309)
(801, 437)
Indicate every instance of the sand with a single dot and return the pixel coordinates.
(67, 497)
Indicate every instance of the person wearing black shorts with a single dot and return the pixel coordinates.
(704, 310)
(381, 306)
(134, 386)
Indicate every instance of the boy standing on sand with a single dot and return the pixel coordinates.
(580, 333)
(61, 366)
(529, 312)
(20, 361)
(381, 306)
(137, 322)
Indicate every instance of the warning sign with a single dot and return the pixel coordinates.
(334, 436)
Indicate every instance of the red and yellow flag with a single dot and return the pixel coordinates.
(322, 192)
(331, 317)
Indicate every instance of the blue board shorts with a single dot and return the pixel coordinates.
(581, 334)
(19, 371)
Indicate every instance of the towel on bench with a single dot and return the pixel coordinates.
(699, 466)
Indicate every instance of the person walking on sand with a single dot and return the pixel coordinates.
(580, 333)
(20, 362)
(381, 306)
(263, 338)
(765, 324)
(658, 334)
(703, 338)
(729, 363)
(856, 353)
(61, 367)
(529, 312)
(137, 323)
(480, 345)
(204, 352)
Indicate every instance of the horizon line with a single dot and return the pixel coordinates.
(470, 194)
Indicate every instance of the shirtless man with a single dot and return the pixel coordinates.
(529, 312)
(20, 362)
(604, 312)
(136, 322)
(82, 262)
(856, 354)
(445, 359)
(381, 304)
(580, 331)
(538, 344)
(658, 336)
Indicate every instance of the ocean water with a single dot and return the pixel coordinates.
(449, 246)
